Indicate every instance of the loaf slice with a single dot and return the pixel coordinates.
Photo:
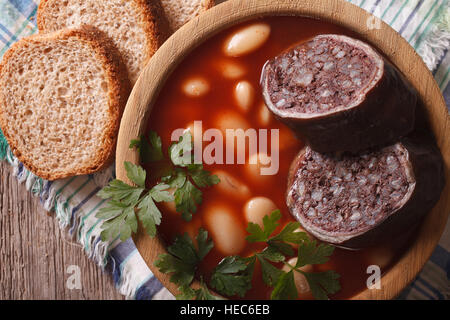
(61, 99)
(137, 27)
(178, 12)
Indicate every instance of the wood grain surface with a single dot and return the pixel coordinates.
(342, 13)
(36, 255)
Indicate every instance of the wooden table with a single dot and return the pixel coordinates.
(35, 255)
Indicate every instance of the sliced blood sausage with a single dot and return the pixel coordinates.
(339, 94)
(358, 201)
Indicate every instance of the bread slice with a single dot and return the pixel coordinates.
(137, 27)
(61, 98)
(178, 12)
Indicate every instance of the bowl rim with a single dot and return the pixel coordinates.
(232, 12)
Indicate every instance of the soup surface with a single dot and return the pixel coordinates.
(221, 88)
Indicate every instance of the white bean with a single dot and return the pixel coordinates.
(231, 120)
(257, 208)
(196, 87)
(264, 115)
(232, 70)
(253, 168)
(245, 95)
(227, 233)
(300, 280)
(247, 40)
(231, 186)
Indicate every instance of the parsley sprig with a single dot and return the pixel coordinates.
(233, 275)
(203, 293)
(182, 261)
(182, 174)
(126, 202)
(129, 203)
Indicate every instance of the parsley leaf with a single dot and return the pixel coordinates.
(201, 177)
(136, 174)
(272, 253)
(186, 293)
(160, 193)
(285, 287)
(233, 276)
(120, 191)
(187, 197)
(270, 273)
(176, 178)
(182, 262)
(135, 143)
(128, 203)
(323, 283)
(289, 234)
(122, 225)
(311, 253)
(258, 234)
(181, 152)
(203, 293)
(279, 242)
(150, 148)
(187, 178)
(149, 215)
(204, 245)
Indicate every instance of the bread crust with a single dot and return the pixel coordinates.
(208, 4)
(118, 85)
(155, 24)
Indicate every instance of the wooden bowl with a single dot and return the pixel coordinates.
(339, 12)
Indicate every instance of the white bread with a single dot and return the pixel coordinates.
(137, 27)
(61, 98)
(178, 12)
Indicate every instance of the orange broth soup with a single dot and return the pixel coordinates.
(216, 106)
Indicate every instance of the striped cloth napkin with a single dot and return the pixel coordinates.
(425, 24)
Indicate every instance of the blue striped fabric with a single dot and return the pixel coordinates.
(425, 24)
